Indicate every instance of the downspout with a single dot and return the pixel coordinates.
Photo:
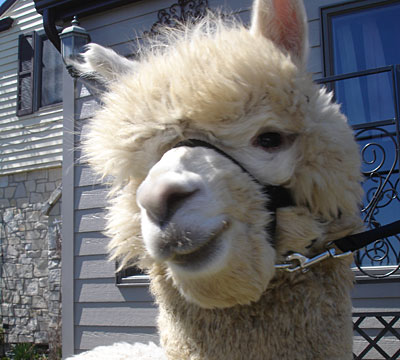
(50, 28)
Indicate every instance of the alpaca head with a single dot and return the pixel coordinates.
(191, 215)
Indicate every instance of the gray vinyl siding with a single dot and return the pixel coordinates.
(95, 310)
(32, 141)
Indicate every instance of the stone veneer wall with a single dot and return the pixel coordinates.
(30, 256)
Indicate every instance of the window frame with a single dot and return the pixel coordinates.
(38, 37)
(326, 15)
(377, 272)
(131, 276)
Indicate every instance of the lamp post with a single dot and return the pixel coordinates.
(73, 39)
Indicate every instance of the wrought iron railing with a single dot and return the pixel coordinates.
(380, 151)
(377, 335)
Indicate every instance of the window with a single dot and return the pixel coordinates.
(132, 275)
(39, 73)
(362, 57)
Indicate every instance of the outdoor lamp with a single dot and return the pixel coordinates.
(73, 39)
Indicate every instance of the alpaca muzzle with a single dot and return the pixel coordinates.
(278, 196)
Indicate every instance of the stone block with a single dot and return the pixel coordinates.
(25, 338)
(38, 174)
(33, 216)
(54, 286)
(16, 299)
(40, 188)
(11, 250)
(54, 276)
(43, 283)
(8, 215)
(20, 192)
(20, 285)
(33, 235)
(40, 226)
(23, 203)
(40, 267)
(10, 321)
(4, 181)
(26, 300)
(7, 310)
(54, 299)
(38, 302)
(24, 271)
(20, 177)
(9, 192)
(21, 312)
(54, 264)
(37, 206)
(36, 198)
(55, 174)
(32, 324)
(10, 284)
(12, 338)
(30, 185)
(41, 337)
(9, 269)
(7, 296)
(34, 254)
(50, 186)
(4, 203)
(32, 288)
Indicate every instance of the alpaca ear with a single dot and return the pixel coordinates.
(284, 22)
(102, 64)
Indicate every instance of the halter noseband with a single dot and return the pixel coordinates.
(278, 196)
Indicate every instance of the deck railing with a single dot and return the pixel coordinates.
(376, 335)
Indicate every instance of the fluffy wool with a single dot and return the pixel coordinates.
(124, 351)
(195, 221)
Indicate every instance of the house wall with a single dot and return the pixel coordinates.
(95, 310)
(33, 141)
(30, 180)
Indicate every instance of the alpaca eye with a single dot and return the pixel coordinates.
(269, 140)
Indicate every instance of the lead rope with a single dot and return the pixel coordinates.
(347, 244)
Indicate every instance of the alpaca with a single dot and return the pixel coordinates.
(198, 218)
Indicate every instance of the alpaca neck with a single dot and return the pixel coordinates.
(300, 316)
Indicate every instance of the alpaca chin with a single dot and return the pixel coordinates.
(245, 258)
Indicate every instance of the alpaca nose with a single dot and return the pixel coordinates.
(164, 197)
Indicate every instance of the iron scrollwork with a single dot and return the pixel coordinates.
(183, 11)
(382, 200)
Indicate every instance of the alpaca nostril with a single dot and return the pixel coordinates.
(173, 202)
(161, 201)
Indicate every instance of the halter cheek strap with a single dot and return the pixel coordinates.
(278, 196)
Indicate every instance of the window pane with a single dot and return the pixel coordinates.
(25, 92)
(366, 99)
(366, 39)
(52, 69)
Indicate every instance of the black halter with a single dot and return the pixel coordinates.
(278, 196)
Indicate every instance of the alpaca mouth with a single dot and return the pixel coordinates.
(200, 256)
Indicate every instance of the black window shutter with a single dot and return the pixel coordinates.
(26, 51)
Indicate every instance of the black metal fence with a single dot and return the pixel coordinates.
(376, 335)
(379, 141)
